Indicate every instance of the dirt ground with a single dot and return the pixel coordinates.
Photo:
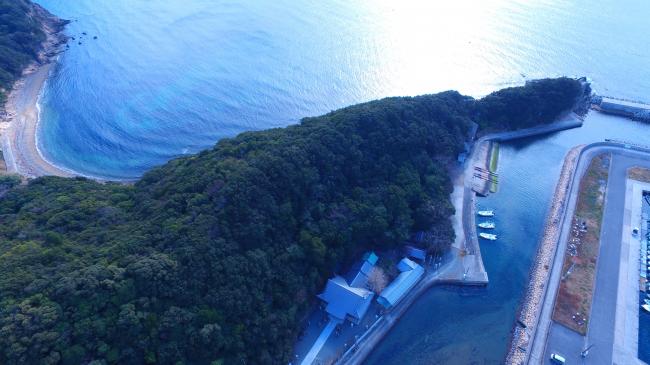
(3, 165)
(639, 174)
(573, 301)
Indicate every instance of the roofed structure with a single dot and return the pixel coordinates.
(344, 301)
(358, 275)
(410, 274)
(415, 253)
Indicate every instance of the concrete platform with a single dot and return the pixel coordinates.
(626, 331)
(613, 325)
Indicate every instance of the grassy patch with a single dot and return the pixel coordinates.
(639, 174)
(573, 302)
(494, 161)
(3, 165)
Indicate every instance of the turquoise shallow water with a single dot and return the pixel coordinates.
(171, 77)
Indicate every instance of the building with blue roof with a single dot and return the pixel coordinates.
(358, 275)
(415, 253)
(344, 301)
(410, 274)
(350, 299)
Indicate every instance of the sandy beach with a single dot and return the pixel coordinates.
(19, 126)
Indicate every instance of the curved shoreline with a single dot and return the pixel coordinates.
(65, 172)
(19, 127)
(19, 138)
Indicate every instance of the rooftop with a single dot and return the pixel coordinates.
(344, 300)
(411, 272)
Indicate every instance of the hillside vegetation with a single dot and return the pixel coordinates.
(538, 102)
(214, 258)
(20, 39)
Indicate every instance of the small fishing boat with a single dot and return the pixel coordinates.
(486, 213)
(646, 301)
(486, 225)
(646, 307)
(488, 236)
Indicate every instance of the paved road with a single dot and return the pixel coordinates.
(603, 312)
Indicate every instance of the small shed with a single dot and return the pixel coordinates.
(415, 253)
(359, 273)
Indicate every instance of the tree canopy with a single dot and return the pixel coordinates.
(541, 101)
(214, 258)
(20, 39)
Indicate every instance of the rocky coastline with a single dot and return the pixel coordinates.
(529, 311)
(53, 28)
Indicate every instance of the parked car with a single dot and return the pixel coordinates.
(558, 359)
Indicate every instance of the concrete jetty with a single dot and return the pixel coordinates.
(621, 107)
(480, 152)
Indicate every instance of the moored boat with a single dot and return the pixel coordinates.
(486, 213)
(486, 225)
(488, 236)
(646, 307)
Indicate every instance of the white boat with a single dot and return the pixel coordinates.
(486, 225)
(646, 307)
(488, 236)
(646, 301)
(486, 213)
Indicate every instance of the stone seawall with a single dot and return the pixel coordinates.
(528, 314)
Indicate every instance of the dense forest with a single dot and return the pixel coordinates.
(20, 39)
(538, 102)
(214, 258)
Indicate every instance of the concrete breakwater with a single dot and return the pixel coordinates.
(528, 314)
(625, 108)
(483, 146)
(451, 274)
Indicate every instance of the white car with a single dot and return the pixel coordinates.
(558, 359)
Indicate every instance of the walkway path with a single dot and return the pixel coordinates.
(320, 342)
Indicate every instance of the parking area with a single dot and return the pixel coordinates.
(612, 334)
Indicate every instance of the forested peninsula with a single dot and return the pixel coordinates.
(215, 258)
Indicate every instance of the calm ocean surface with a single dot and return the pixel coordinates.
(170, 77)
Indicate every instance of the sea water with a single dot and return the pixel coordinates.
(168, 78)
(171, 77)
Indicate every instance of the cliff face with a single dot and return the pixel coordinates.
(52, 26)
